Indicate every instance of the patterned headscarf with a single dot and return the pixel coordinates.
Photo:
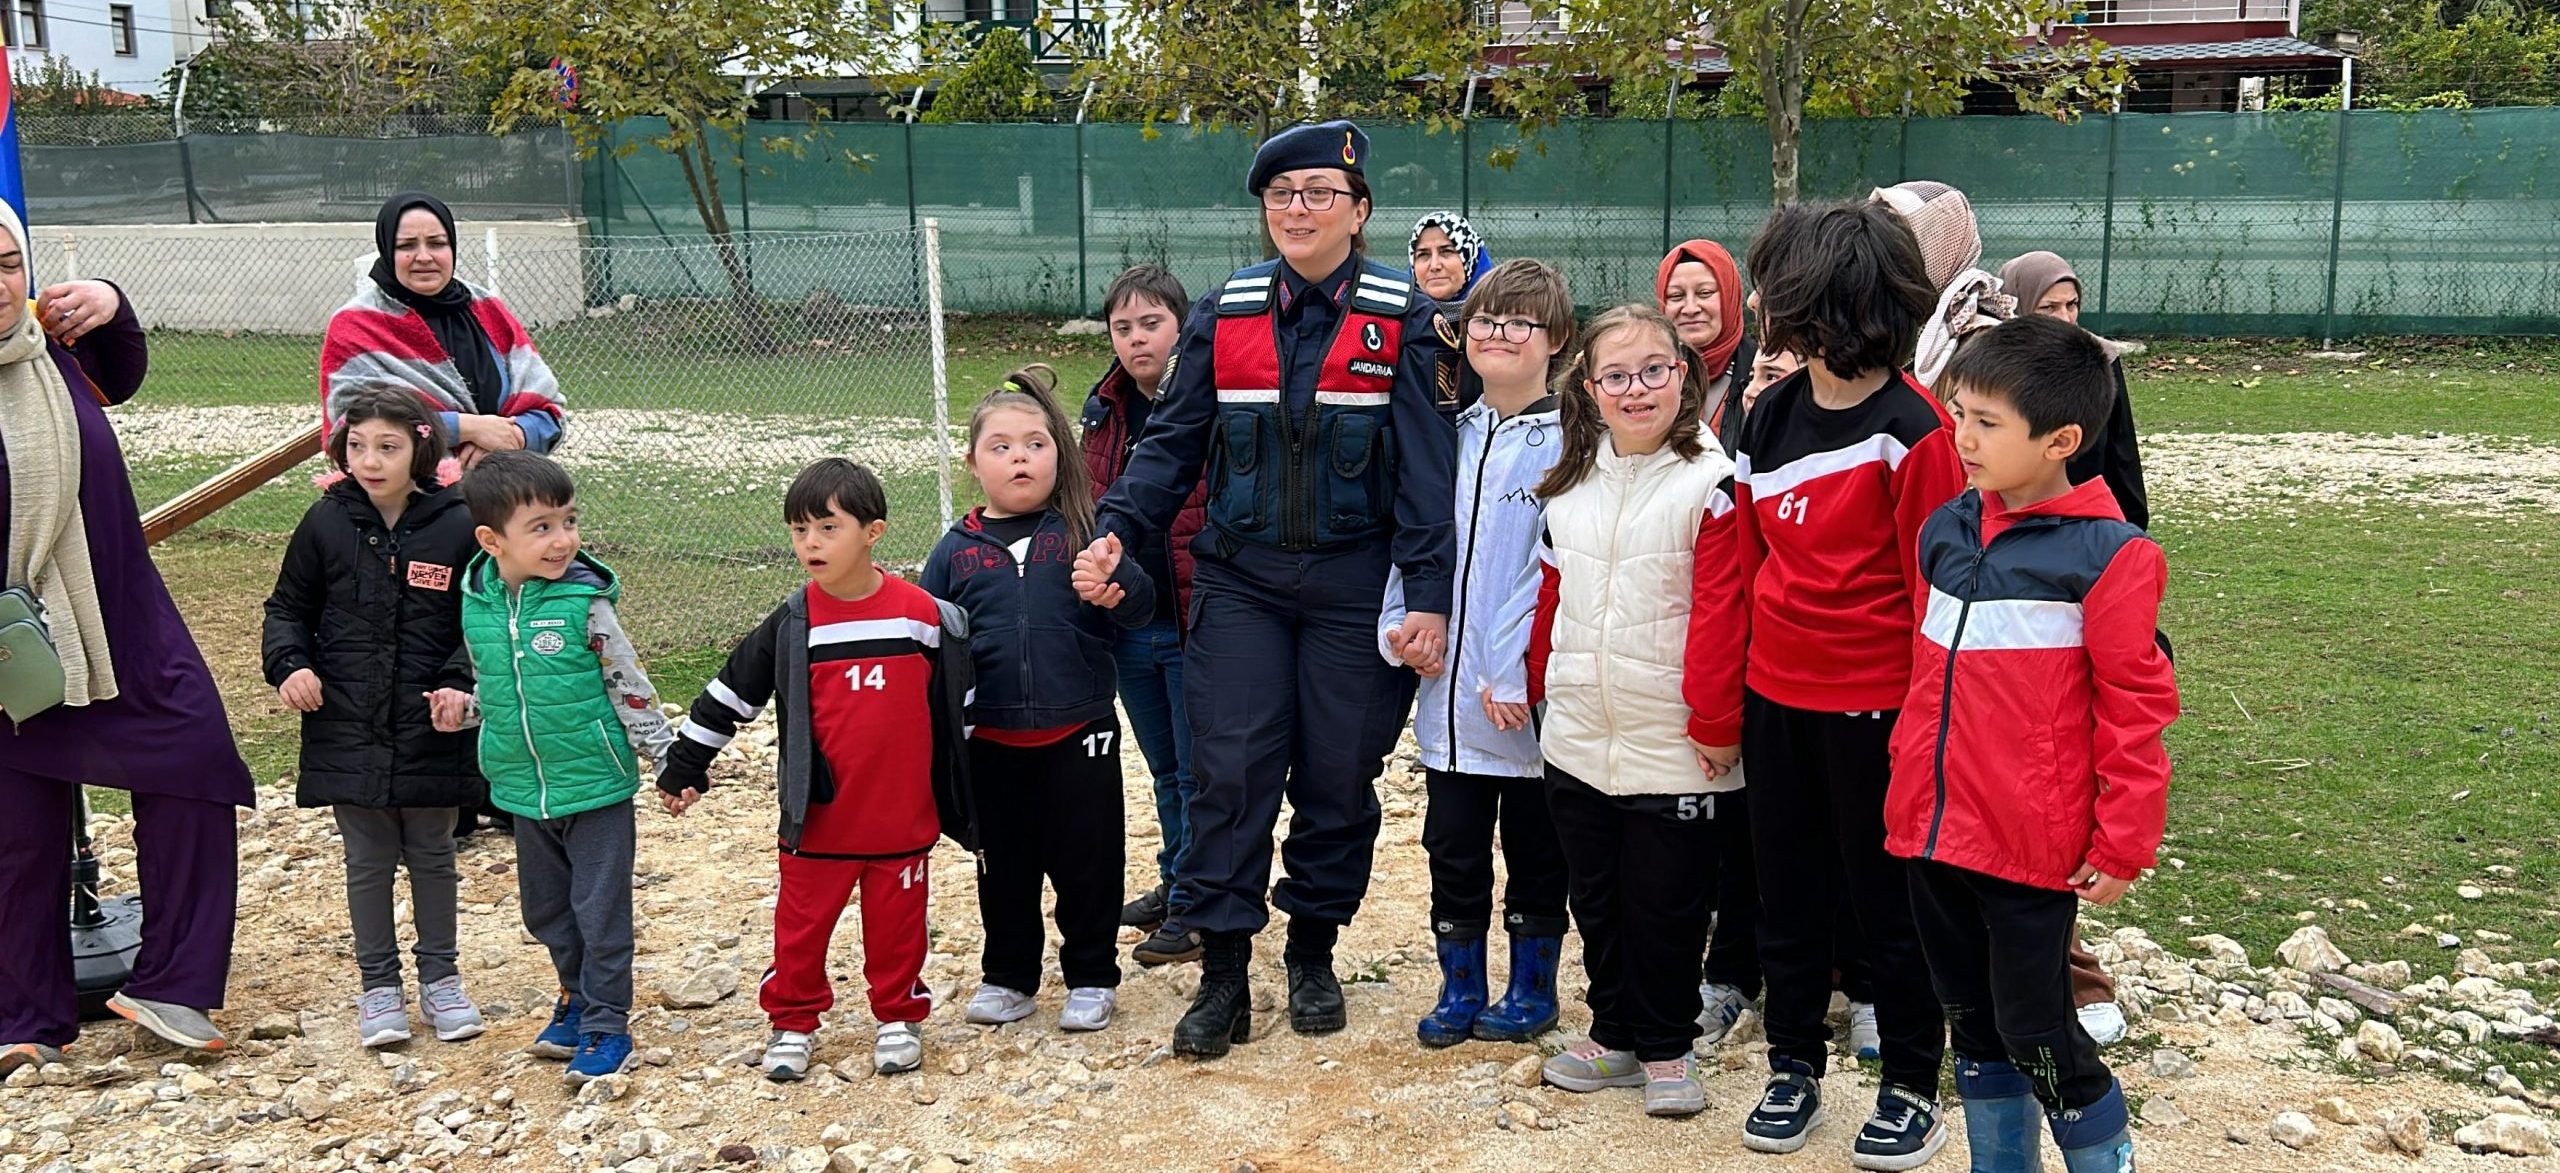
(1941, 218)
(1463, 236)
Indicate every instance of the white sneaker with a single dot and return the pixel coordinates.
(995, 1005)
(1088, 1008)
(1723, 1006)
(897, 1047)
(450, 1011)
(1863, 1037)
(786, 1056)
(382, 1017)
(2104, 1021)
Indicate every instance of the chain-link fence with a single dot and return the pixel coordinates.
(691, 400)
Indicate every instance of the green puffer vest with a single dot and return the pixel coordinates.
(550, 743)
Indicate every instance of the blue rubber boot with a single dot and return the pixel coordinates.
(1528, 1008)
(2093, 1139)
(2001, 1116)
(1461, 993)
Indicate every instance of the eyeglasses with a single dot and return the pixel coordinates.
(1654, 377)
(1317, 199)
(1512, 330)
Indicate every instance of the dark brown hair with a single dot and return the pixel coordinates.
(402, 409)
(1531, 288)
(1148, 281)
(2050, 371)
(1841, 284)
(835, 485)
(1579, 413)
(1034, 388)
(504, 482)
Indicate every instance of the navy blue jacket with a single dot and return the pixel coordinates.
(1417, 445)
(1043, 656)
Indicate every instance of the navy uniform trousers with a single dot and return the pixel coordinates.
(1287, 697)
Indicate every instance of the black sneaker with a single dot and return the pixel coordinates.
(1790, 1107)
(1903, 1134)
(1170, 944)
(1147, 911)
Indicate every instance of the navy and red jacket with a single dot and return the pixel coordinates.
(1827, 511)
(1114, 414)
(1043, 655)
(2030, 743)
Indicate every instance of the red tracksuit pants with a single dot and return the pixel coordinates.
(814, 892)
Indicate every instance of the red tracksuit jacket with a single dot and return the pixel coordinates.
(2030, 739)
(1827, 510)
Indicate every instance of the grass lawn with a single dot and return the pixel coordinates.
(2369, 693)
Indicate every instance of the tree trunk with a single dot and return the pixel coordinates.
(703, 177)
(1782, 98)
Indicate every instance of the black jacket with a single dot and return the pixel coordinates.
(2115, 454)
(772, 665)
(376, 613)
(1044, 655)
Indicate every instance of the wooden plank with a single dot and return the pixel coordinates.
(229, 485)
(2373, 998)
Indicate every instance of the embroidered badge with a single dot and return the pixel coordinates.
(1372, 337)
(1444, 378)
(427, 576)
(549, 643)
(1374, 370)
(1349, 155)
(1448, 333)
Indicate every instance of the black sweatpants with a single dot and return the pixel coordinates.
(1641, 875)
(1051, 811)
(1733, 953)
(1999, 954)
(1457, 833)
(1817, 827)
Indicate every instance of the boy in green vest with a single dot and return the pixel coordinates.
(564, 713)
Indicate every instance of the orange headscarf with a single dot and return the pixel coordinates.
(1719, 353)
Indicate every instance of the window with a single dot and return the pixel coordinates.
(120, 28)
(31, 15)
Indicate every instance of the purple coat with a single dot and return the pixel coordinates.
(165, 732)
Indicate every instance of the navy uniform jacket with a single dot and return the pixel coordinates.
(1167, 464)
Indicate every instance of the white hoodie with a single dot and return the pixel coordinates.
(1499, 464)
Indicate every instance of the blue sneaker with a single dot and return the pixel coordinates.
(559, 1040)
(602, 1055)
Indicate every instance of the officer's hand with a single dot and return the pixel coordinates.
(1504, 715)
(1094, 568)
(300, 692)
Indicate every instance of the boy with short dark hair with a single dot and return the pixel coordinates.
(1143, 309)
(555, 675)
(873, 677)
(2028, 769)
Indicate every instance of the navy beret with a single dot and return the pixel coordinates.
(1336, 144)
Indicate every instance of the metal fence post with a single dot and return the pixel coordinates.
(915, 274)
(1466, 167)
(1083, 209)
(1670, 102)
(489, 259)
(2337, 228)
(2107, 230)
(941, 368)
(746, 211)
(70, 258)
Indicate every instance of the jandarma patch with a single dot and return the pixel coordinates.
(1375, 370)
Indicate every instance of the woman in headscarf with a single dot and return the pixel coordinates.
(417, 325)
(139, 712)
(1941, 218)
(1700, 289)
(2043, 283)
(1448, 259)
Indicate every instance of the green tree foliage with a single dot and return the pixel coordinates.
(307, 67)
(1000, 83)
(2489, 52)
(1794, 57)
(1263, 63)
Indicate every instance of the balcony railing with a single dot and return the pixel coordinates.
(1059, 38)
(2102, 12)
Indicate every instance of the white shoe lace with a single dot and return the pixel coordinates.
(446, 997)
(380, 1003)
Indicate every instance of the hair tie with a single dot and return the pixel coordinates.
(1014, 387)
(424, 431)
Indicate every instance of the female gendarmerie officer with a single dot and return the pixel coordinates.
(1304, 385)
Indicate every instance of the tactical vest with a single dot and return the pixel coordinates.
(1323, 475)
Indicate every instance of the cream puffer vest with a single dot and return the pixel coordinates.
(1624, 543)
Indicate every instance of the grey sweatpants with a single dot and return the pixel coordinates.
(377, 843)
(573, 876)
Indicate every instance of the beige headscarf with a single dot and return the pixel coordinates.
(48, 537)
(1969, 299)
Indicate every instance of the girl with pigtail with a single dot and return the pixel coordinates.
(1045, 752)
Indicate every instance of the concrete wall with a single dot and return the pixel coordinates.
(288, 278)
